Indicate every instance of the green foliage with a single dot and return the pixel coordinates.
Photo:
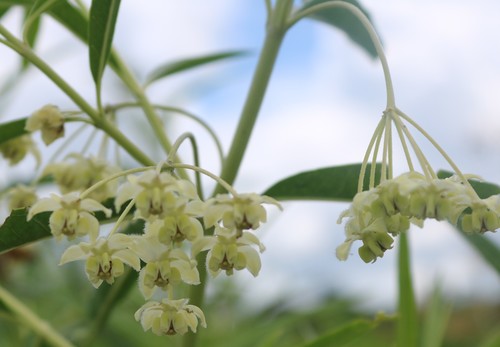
(338, 183)
(103, 15)
(17, 231)
(345, 21)
(12, 129)
(174, 67)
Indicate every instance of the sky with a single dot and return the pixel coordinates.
(323, 102)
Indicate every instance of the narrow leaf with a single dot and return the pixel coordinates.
(345, 21)
(186, 64)
(343, 336)
(339, 183)
(103, 15)
(436, 319)
(3, 9)
(12, 129)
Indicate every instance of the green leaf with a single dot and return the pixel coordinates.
(186, 64)
(17, 231)
(3, 9)
(339, 183)
(436, 319)
(343, 336)
(103, 15)
(345, 21)
(12, 130)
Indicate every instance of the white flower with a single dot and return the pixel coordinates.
(244, 211)
(484, 216)
(170, 317)
(105, 258)
(49, 120)
(230, 250)
(71, 215)
(164, 266)
(156, 194)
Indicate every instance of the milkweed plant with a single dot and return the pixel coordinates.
(154, 218)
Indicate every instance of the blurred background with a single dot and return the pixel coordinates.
(325, 97)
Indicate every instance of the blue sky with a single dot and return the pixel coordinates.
(322, 105)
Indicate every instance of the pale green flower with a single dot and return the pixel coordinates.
(244, 211)
(105, 258)
(82, 173)
(170, 317)
(229, 251)
(156, 194)
(71, 216)
(484, 215)
(15, 150)
(164, 266)
(21, 196)
(49, 120)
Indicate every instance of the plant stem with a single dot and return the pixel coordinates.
(276, 29)
(407, 333)
(40, 326)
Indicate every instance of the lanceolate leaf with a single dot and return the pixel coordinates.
(12, 129)
(185, 64)
(3, 9)
(339, 183)
(103, 14)
(345, 21)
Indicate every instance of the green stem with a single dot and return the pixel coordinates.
(276, 29)
(154, 120)
(369, 28)
(100, 122)
(40, 326)
(407, 333)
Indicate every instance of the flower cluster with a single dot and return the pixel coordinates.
(178, 227)
(379, 214)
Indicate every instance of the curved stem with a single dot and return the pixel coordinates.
(28, 317)
(216, 178)
(181, 112)
(368, 26)
(89, 190)
(122, 217)
(196, 159)
(376, 134)
(155, 121)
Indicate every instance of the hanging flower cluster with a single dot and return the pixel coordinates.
(382, 212)
(178, 226)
